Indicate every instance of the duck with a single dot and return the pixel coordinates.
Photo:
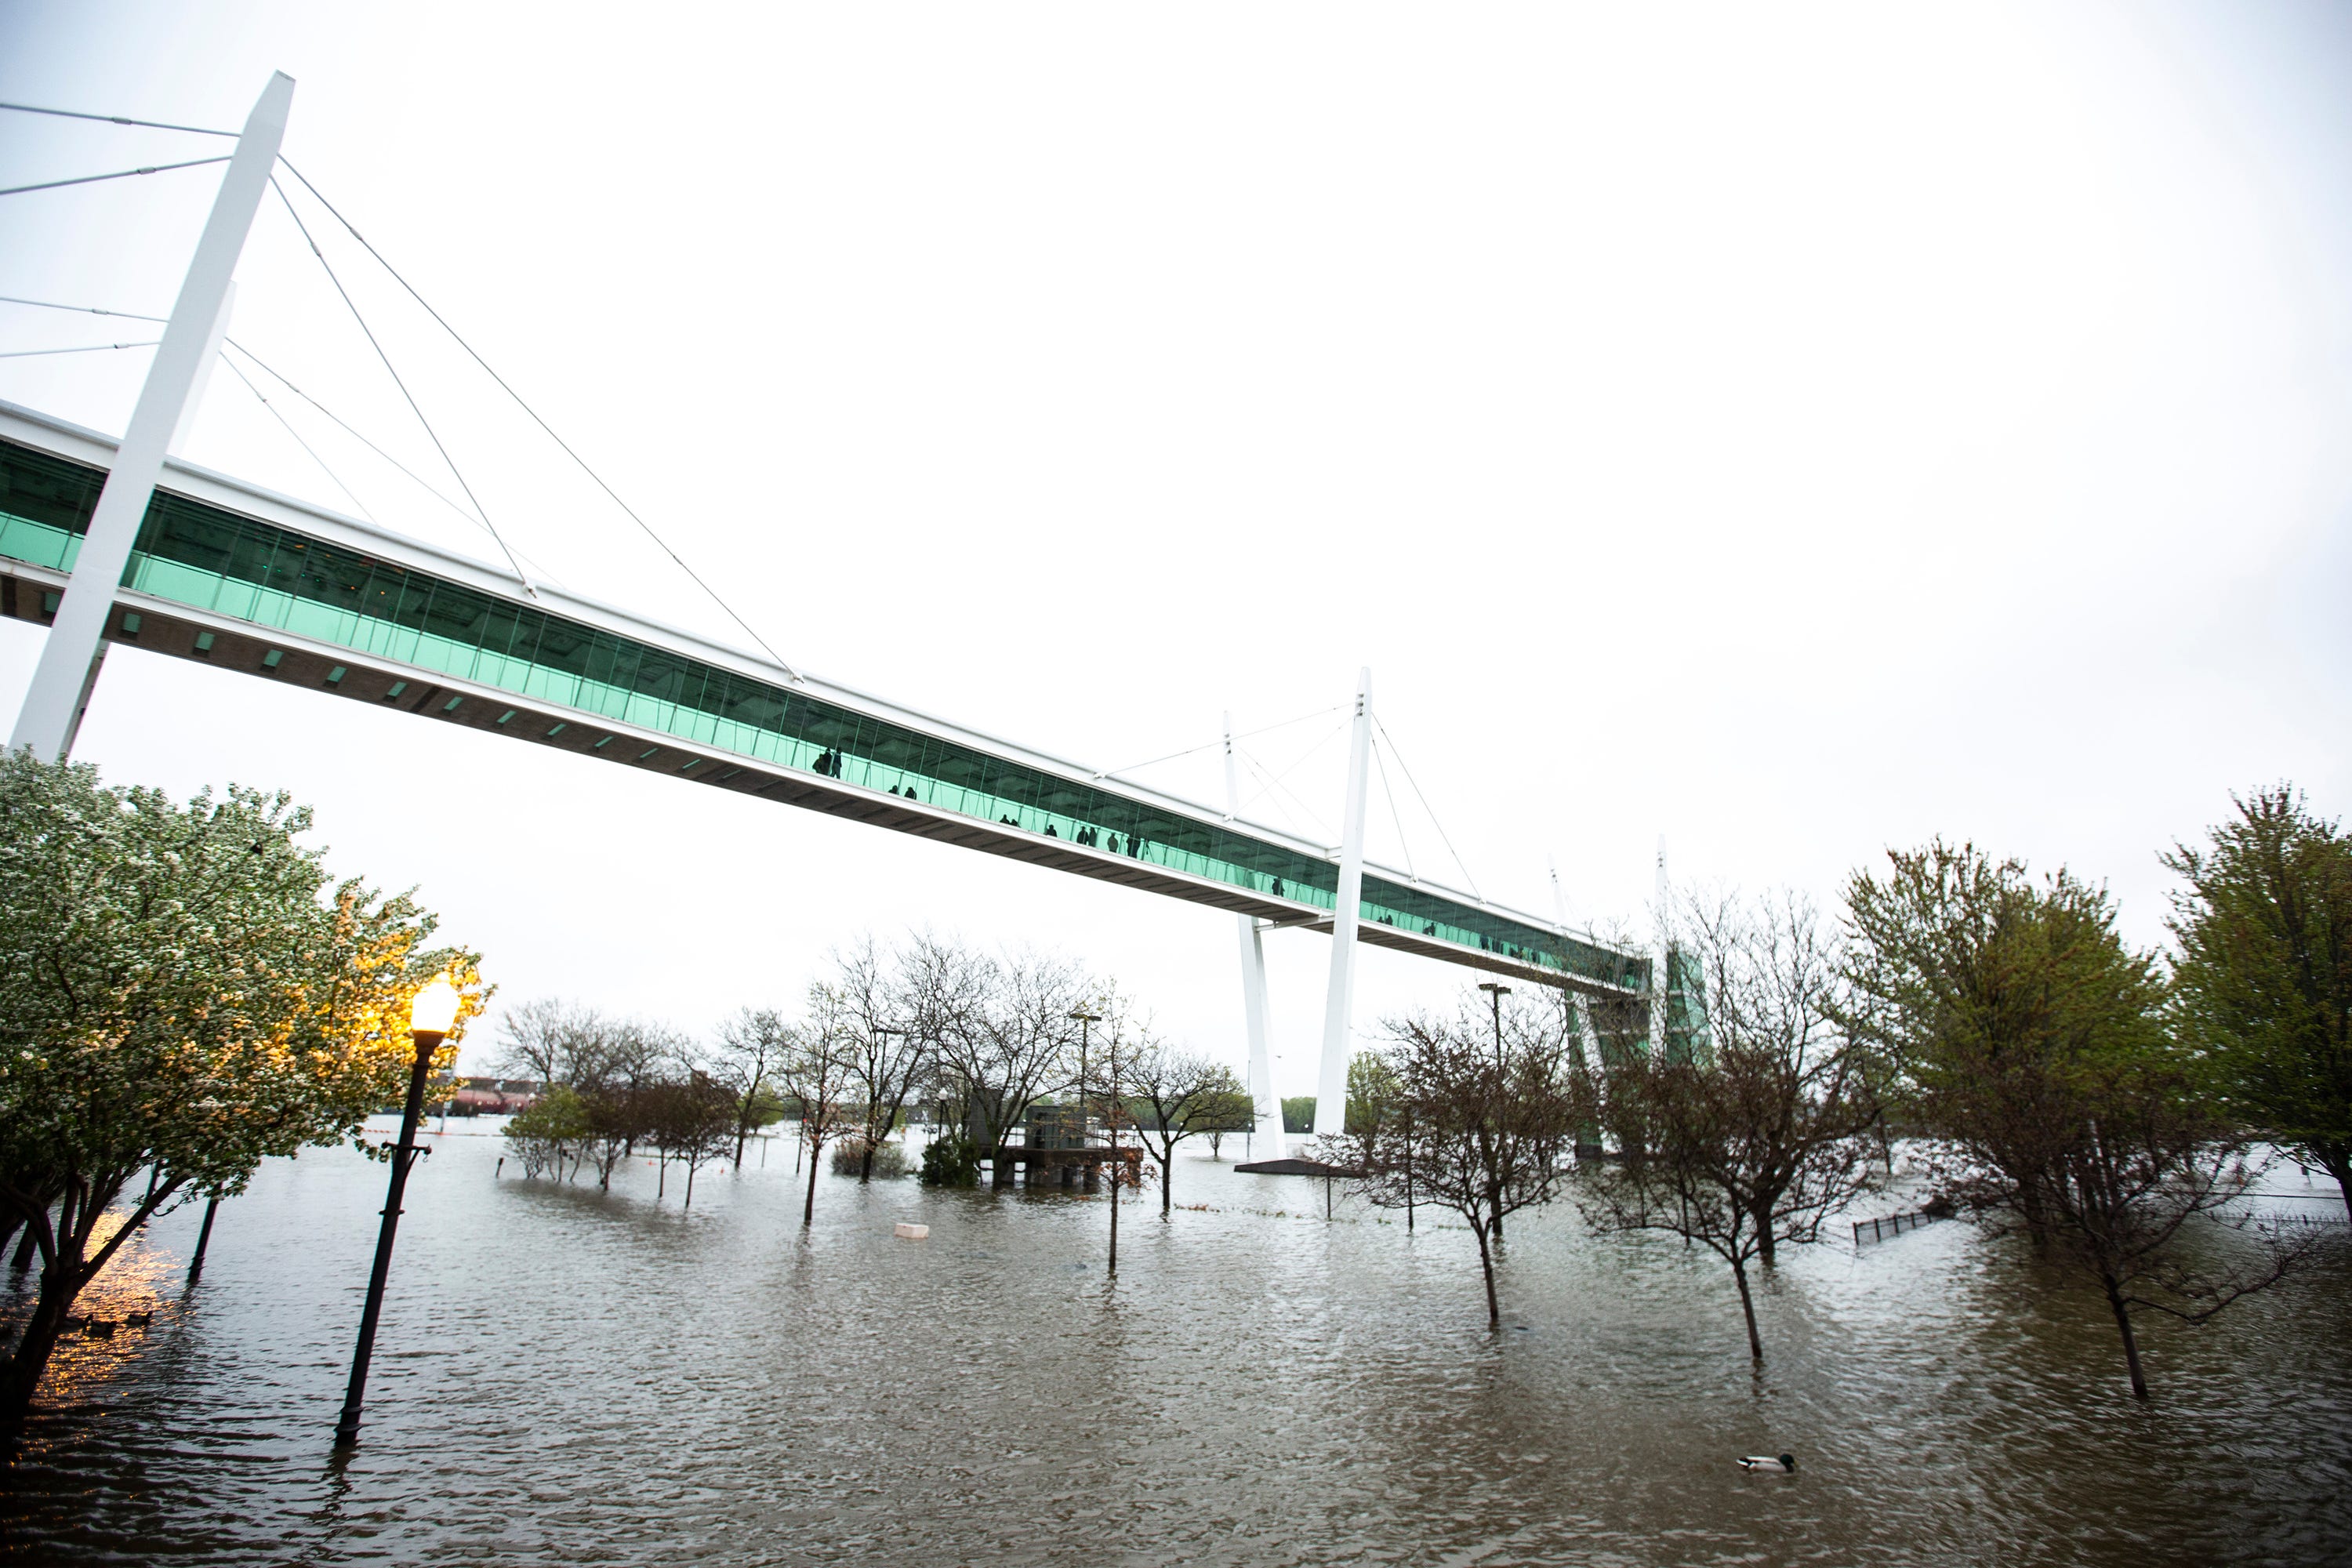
(1767, 1465)
(138, 1320)
(100, 1328)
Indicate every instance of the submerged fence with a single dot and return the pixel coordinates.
(1892, 1225)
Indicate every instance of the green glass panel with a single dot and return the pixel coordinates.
(201, 555)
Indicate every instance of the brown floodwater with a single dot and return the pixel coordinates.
(577, 1377)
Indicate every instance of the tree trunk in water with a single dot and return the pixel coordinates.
(1748, 1308)
(204, 1239)
(808, 1209)
(2337, 1159)
(743, 1130)
(689, 1187)
(32, 1357)
(2131, 1340)
(866, 1164)
(1762, 1220)
(661, 1182)
(1487, 1266)
(1000, 1168)
(27, 1250)
(1167, 1183)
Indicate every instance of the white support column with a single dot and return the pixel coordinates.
(68, 659)
(204, 364)
(1340, 1002)
(1266, 1103)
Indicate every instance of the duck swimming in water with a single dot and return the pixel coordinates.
(1765, 1465)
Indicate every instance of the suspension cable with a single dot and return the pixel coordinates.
(1188, 751)
(387, 358)
(306, 446)
(631, 511)
(415, 477)
(1275, 781)
(1394, 816)
(118, 175)
(78, 349)
(84, 309)
(1406, 769)
(117, 120)
(1313, 828)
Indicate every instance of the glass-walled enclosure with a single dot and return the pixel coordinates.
(210, 559)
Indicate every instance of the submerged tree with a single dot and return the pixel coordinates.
(2265, 973)
(551, 1134)
(751, 1045)
(1762, 1126)
(1173, 1094)
(1014, 1043)
(183, 991)
(815, 1072)
(689, 1118)
(1483, 1131)
(880, 1001)
(2033, 1046)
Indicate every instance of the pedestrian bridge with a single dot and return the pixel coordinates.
(229, 574)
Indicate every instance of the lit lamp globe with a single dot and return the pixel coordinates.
(435, 1011)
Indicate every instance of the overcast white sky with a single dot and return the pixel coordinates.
(1794, 431)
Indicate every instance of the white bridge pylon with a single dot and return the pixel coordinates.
(1339, 1034)
(70, 657)
(1266, 1100)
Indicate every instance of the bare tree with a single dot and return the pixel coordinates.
(1761, 1121)
(817, 1070)
(940, 987)
(1173, 1094)
(751, 1045)
(554, 1040)
(1481, 1132)
(891, 1054)
(1012, 1046)
(689, 1118)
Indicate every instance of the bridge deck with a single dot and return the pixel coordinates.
(233, 575)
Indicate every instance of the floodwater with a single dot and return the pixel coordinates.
(575, 1377)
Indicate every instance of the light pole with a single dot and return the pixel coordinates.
(1496, 990)
(1084, 1020)
(431, 1016)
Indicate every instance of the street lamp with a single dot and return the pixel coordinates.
(1084, 1020)
(1497, 992)
(431, 1016)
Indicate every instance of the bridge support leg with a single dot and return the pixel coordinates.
(1340, 1000)
(1266, 1104)
(52, 704)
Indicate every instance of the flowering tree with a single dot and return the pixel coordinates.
(182, 991)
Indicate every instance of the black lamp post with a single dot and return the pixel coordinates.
(1085, 1020)
(1497, 992)
(430, 1018)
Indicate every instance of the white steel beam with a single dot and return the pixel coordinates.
(1266, 1103)
(68, 666)
(204, 366)
(1340, 1002)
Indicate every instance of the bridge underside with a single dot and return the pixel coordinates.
(309, 610)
